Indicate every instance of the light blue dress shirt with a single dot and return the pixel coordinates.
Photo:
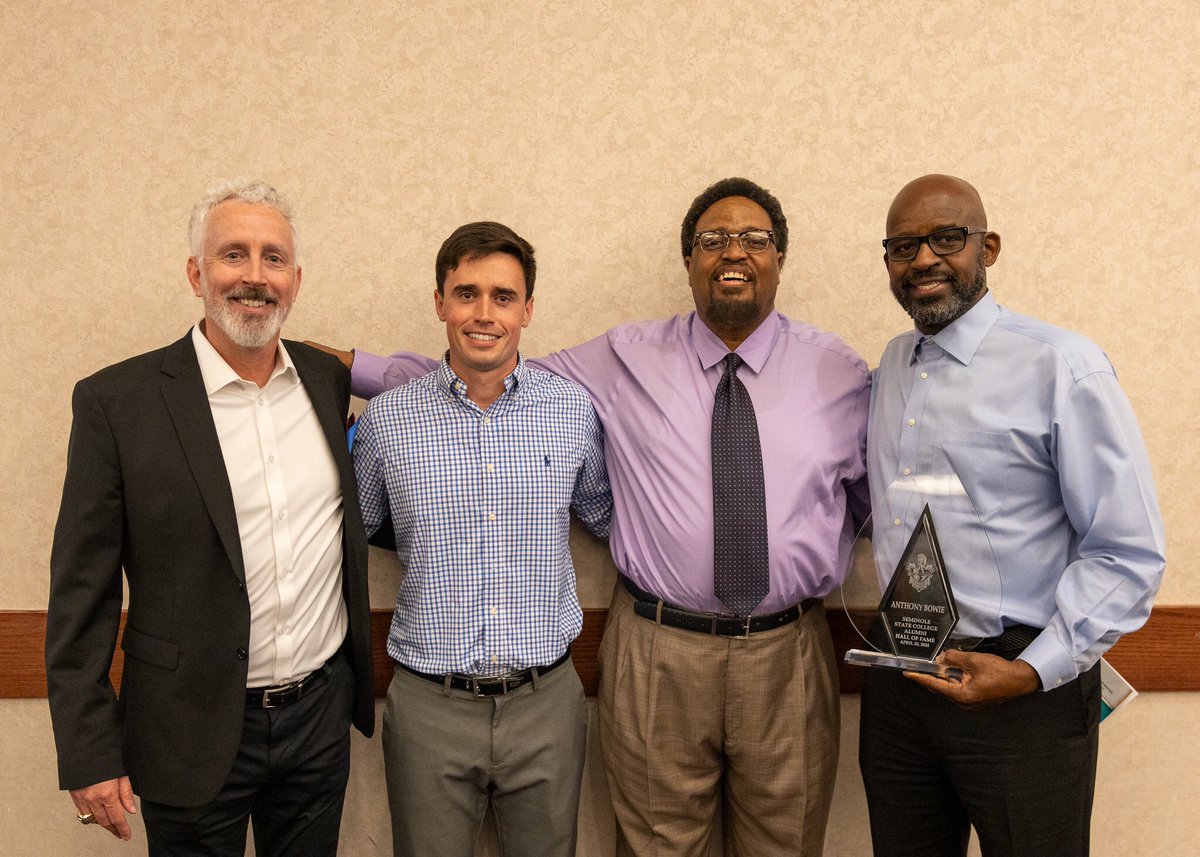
(479, 503)
(1018, 437)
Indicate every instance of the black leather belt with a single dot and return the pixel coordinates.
(283, 695)
(1008, 645)
(652, 607)
(482, 685)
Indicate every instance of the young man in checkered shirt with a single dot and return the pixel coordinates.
(474, 467)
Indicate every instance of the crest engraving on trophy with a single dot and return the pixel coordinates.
(917, 611)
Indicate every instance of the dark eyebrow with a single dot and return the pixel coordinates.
(500, 290)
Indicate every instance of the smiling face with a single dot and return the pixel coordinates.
(247, 276)
(935, 290)
(484, 307)
(733, 290)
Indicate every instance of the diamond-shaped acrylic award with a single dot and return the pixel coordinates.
(917, 611)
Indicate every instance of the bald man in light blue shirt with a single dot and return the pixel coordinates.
(1020, 440)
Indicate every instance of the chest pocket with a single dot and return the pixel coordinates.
(973, 472)
(546, 481)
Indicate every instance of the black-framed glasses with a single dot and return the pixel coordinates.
(944, 242)
(751, 240)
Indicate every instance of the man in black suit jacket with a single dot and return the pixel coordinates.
(215, 473)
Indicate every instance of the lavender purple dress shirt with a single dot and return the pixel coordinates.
(653, 385)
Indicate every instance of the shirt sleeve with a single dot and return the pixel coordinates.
(587, 364)
(592, 498)
(858, 495)
(592, 365)
(369, 470)
(1109, 497)
(371, 374)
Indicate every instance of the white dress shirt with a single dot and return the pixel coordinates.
(288, 501)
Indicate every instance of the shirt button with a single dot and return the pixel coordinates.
(283, 514)
(493, 611)
(490, 468)
(495, 659)
(924, 375)
(241, 653)
(271, 459)
(487, 420)
(491, 516)
(907, 472)
(912, 422)
(896, 522)
(260, 401)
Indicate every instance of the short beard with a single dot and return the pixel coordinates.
(939, 312)
(731, 314)
(243, 331)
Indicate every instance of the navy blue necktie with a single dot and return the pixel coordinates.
(741, 560)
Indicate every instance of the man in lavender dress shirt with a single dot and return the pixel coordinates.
(693, 722)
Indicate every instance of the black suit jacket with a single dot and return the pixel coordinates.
(146, 491)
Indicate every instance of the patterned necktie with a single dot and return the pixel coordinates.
(741, 572)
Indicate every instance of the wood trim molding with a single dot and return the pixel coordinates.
(1163, 655)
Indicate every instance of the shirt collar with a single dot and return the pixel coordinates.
(754, 350)
(961, 337)
(218, 374)
(449, 382)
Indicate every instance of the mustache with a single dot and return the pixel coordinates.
(909, 280)
(255, 293)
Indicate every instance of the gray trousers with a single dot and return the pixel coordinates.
(447, 754)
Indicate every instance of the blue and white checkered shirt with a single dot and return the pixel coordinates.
(479, 503)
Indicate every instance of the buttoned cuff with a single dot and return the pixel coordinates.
(1051, 659)
(366, 374)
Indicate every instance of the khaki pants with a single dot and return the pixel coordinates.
(692, 724)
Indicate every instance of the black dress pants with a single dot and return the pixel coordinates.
(289, 781)
(1022, 772)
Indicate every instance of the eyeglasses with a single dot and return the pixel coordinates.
(752, 240)
(944, 242)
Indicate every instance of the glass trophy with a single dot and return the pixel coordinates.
(917, 611)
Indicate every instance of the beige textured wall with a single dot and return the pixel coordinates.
(589, 128)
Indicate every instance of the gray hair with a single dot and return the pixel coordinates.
(254, 191)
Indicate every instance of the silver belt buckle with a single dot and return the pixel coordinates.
(716, 618)
(296, 686)
(745, 635)
(266, 700)
(501, 680)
